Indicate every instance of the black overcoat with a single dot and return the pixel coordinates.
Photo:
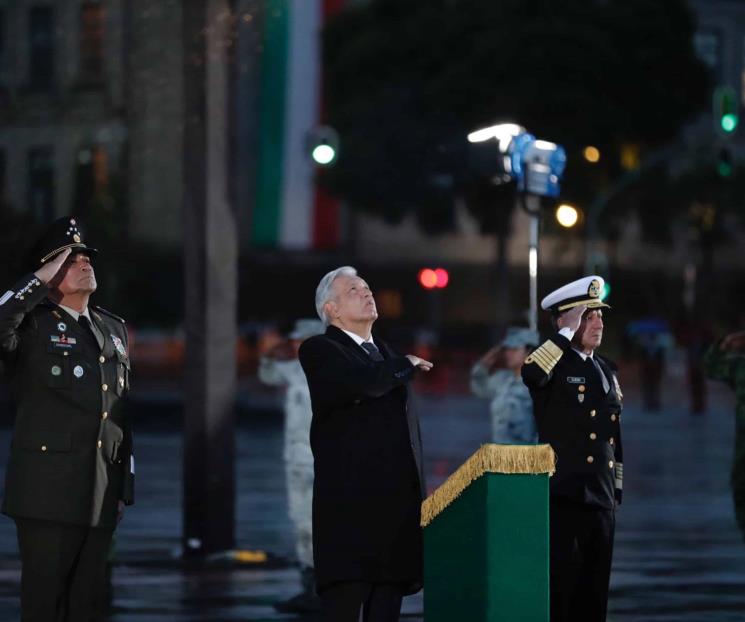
(71, 455)
(367, 452)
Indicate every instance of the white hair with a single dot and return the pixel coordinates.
(324, 293)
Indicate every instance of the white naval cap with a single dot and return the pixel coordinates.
(584, 291)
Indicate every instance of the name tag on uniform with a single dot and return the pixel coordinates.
(576, 380)
(63, 341)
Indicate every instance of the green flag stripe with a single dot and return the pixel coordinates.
(266, 221)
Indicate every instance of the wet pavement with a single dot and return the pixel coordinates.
(679, 556)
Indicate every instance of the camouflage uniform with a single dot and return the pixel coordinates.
(729, 367)
(511, 407)
(297, 453)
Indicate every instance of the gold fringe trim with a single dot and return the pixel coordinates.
(491, 458)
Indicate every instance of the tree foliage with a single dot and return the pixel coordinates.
(408, 79)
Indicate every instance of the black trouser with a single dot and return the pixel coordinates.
(378, 602)
(581, 555)
(63, 571)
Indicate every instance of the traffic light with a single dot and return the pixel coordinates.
(434, 279)
(726, 109)
(323, 145)
(724, 162)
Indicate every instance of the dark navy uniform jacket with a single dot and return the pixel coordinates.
(71, 455)
(579, 420)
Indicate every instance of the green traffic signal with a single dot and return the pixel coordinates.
(726, 108)
(729, 122)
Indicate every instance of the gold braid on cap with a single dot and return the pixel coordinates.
(59, 250)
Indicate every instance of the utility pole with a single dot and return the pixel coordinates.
(210, 278)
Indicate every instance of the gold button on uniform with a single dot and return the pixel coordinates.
(105, 387)
(593, 436)
(610, 464)
(592, 413)
(65, 354)
(105, 415)
(611, 441)
(43, 447)
(612, 417)
(99, 444)
(101, 359)
(590, 459)
(581, 388)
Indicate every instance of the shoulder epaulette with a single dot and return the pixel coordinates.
(546, 356)
(108, 313)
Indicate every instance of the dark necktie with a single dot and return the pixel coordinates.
(88, 329)
(372, 351)
(606, 384)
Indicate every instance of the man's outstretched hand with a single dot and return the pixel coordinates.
(419, 363)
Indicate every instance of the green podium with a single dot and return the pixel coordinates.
(486, 555)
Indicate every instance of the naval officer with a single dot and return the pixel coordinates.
(71, 469)
(577, 404)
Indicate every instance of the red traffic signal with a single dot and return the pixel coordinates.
(433, 279)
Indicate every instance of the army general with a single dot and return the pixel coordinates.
(577, 406)
(71, 469)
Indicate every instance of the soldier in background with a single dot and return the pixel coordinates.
(280, 367)
(71, 469)
(725, 361)
(496, 376)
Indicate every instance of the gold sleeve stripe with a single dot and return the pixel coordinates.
(543, 359)
(531, 359)
(553, 349)
(546, 356)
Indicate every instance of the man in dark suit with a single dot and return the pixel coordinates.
(577, 405)
(366, 446)
(71, 469)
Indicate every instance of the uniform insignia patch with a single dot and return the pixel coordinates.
(118, 345)
(576, 379)
(78, 371)
(62, 327)
(56, 370)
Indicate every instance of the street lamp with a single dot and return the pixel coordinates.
(591, 154)
(536, 166)
(567, 215)
(502, 132)
(323, 144)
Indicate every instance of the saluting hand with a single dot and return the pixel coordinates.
(50, 269)
(572, 319)
(420, 363)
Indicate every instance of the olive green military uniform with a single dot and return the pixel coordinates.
(71, 460)
(729, 367)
